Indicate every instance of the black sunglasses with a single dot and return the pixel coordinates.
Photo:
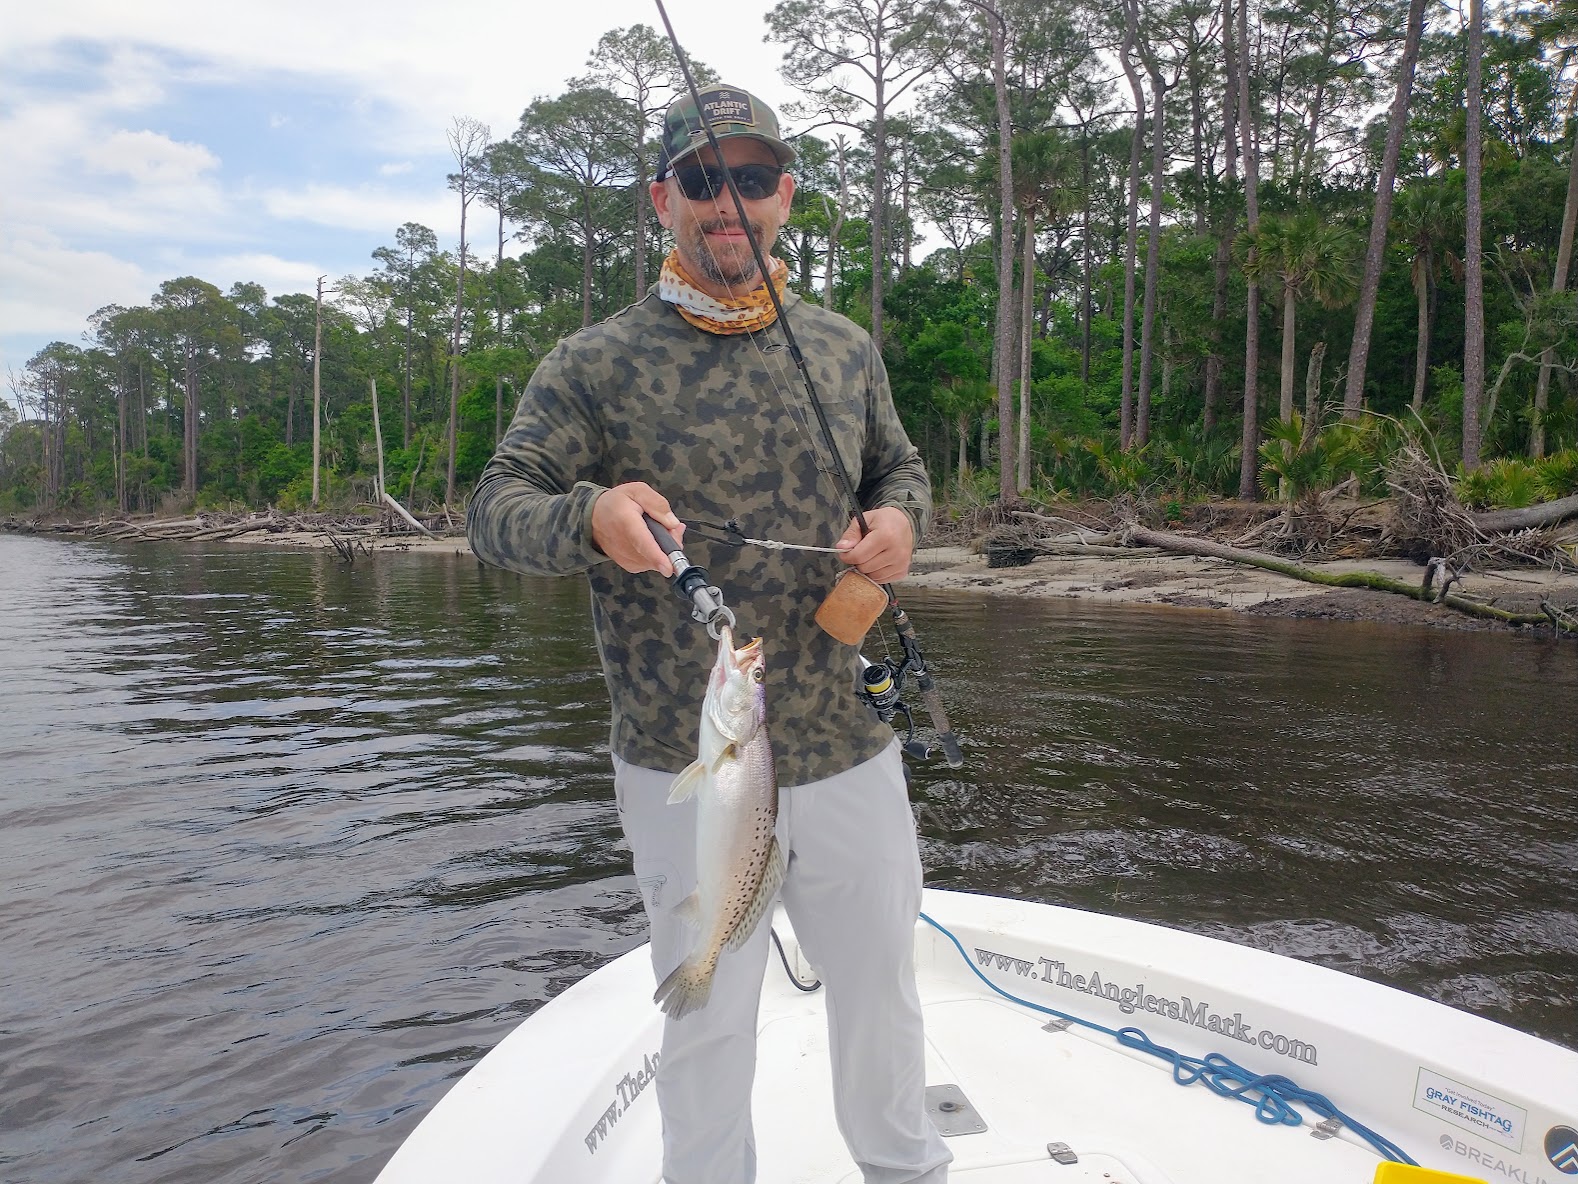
(702, 182)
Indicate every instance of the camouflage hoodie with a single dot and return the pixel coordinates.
(721, 425)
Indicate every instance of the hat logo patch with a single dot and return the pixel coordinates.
(727, 106)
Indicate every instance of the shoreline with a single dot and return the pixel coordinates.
(1184, 581)
(1144, 578)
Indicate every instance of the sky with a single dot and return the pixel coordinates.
(270, 143)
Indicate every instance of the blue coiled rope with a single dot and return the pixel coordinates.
(1272, 1095)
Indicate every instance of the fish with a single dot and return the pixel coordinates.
(739, 865)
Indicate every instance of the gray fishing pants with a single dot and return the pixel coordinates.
(852, 892)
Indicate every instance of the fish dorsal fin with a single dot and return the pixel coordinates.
(688, 911)
(687, 783)
(772, 880)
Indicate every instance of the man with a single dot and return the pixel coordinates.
(685, 406)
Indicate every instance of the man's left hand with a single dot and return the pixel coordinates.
(884, 554)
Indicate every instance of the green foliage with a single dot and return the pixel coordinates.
(564, 183)
(1197, 465)
(1511, 483)
(1296, 464)
(1502, 484)
(1559, 475)
(282, 466)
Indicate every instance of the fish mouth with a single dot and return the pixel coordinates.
(749, 650)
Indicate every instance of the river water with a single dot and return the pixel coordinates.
(287, 846)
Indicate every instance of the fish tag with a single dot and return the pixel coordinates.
(852, 607)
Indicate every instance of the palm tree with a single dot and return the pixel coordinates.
(1308, 258)
(1426, 217)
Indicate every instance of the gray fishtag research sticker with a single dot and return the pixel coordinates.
(1471, 1109)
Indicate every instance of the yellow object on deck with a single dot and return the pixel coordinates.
(1402, 1173)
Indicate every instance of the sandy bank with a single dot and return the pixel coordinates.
(1189, 582)
(1146, 579)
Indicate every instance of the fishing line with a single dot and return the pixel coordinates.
(830, 468)
(914, 662)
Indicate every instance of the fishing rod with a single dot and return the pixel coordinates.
(914, 664)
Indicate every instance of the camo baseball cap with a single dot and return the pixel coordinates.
(732, 112)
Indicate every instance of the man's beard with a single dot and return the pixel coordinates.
(734, 266)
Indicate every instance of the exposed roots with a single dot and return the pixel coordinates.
(1427, 520)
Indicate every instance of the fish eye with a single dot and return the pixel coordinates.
(759, 674)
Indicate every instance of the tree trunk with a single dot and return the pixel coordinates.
(1085, 257)
(1422, 335)
(836, 226)
(1473, 256)
(1153, 250)
(1564, 255)
(587, 224)
(1139, 536)
(1375, 252)
(1312, 414)
(1545, 514)
(454, 359)
(963, 467)
(1249, 150)
(1289, 345)
(1304, 172)
(1224, 242)
(1006, 485)
(142, 408)
(378, 437)
(1197, 136)
(879, 180)
(317, 372)
(641, 203)
(1131, 247)
(1026, 326)
(904, 203)
(191, 420)
(405, 388)
(120, 443)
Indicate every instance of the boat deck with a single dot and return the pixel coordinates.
(566, 1097)
(1031, 1087)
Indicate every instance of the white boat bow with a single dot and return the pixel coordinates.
(567, 1097)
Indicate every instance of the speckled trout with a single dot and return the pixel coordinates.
(738, 864)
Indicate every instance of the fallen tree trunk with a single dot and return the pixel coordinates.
(406, 514)
(1205, 548)
(1081, 551)
(1545, 514)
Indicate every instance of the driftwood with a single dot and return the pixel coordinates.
(1094, 551)
(383, 489)
(1184, 545)
(218, 527)
(1545, 514)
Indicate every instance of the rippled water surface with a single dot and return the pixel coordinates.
(287, 846)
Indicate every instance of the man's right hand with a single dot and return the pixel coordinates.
(619, 528)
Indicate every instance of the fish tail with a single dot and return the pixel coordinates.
(686, 989)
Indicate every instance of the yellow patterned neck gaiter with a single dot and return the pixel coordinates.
(744, 314)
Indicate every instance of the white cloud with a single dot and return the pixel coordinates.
(150, 158)
(360, 207)
(420, 58)
(45, 283)
(102, 199)
(277, 275)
